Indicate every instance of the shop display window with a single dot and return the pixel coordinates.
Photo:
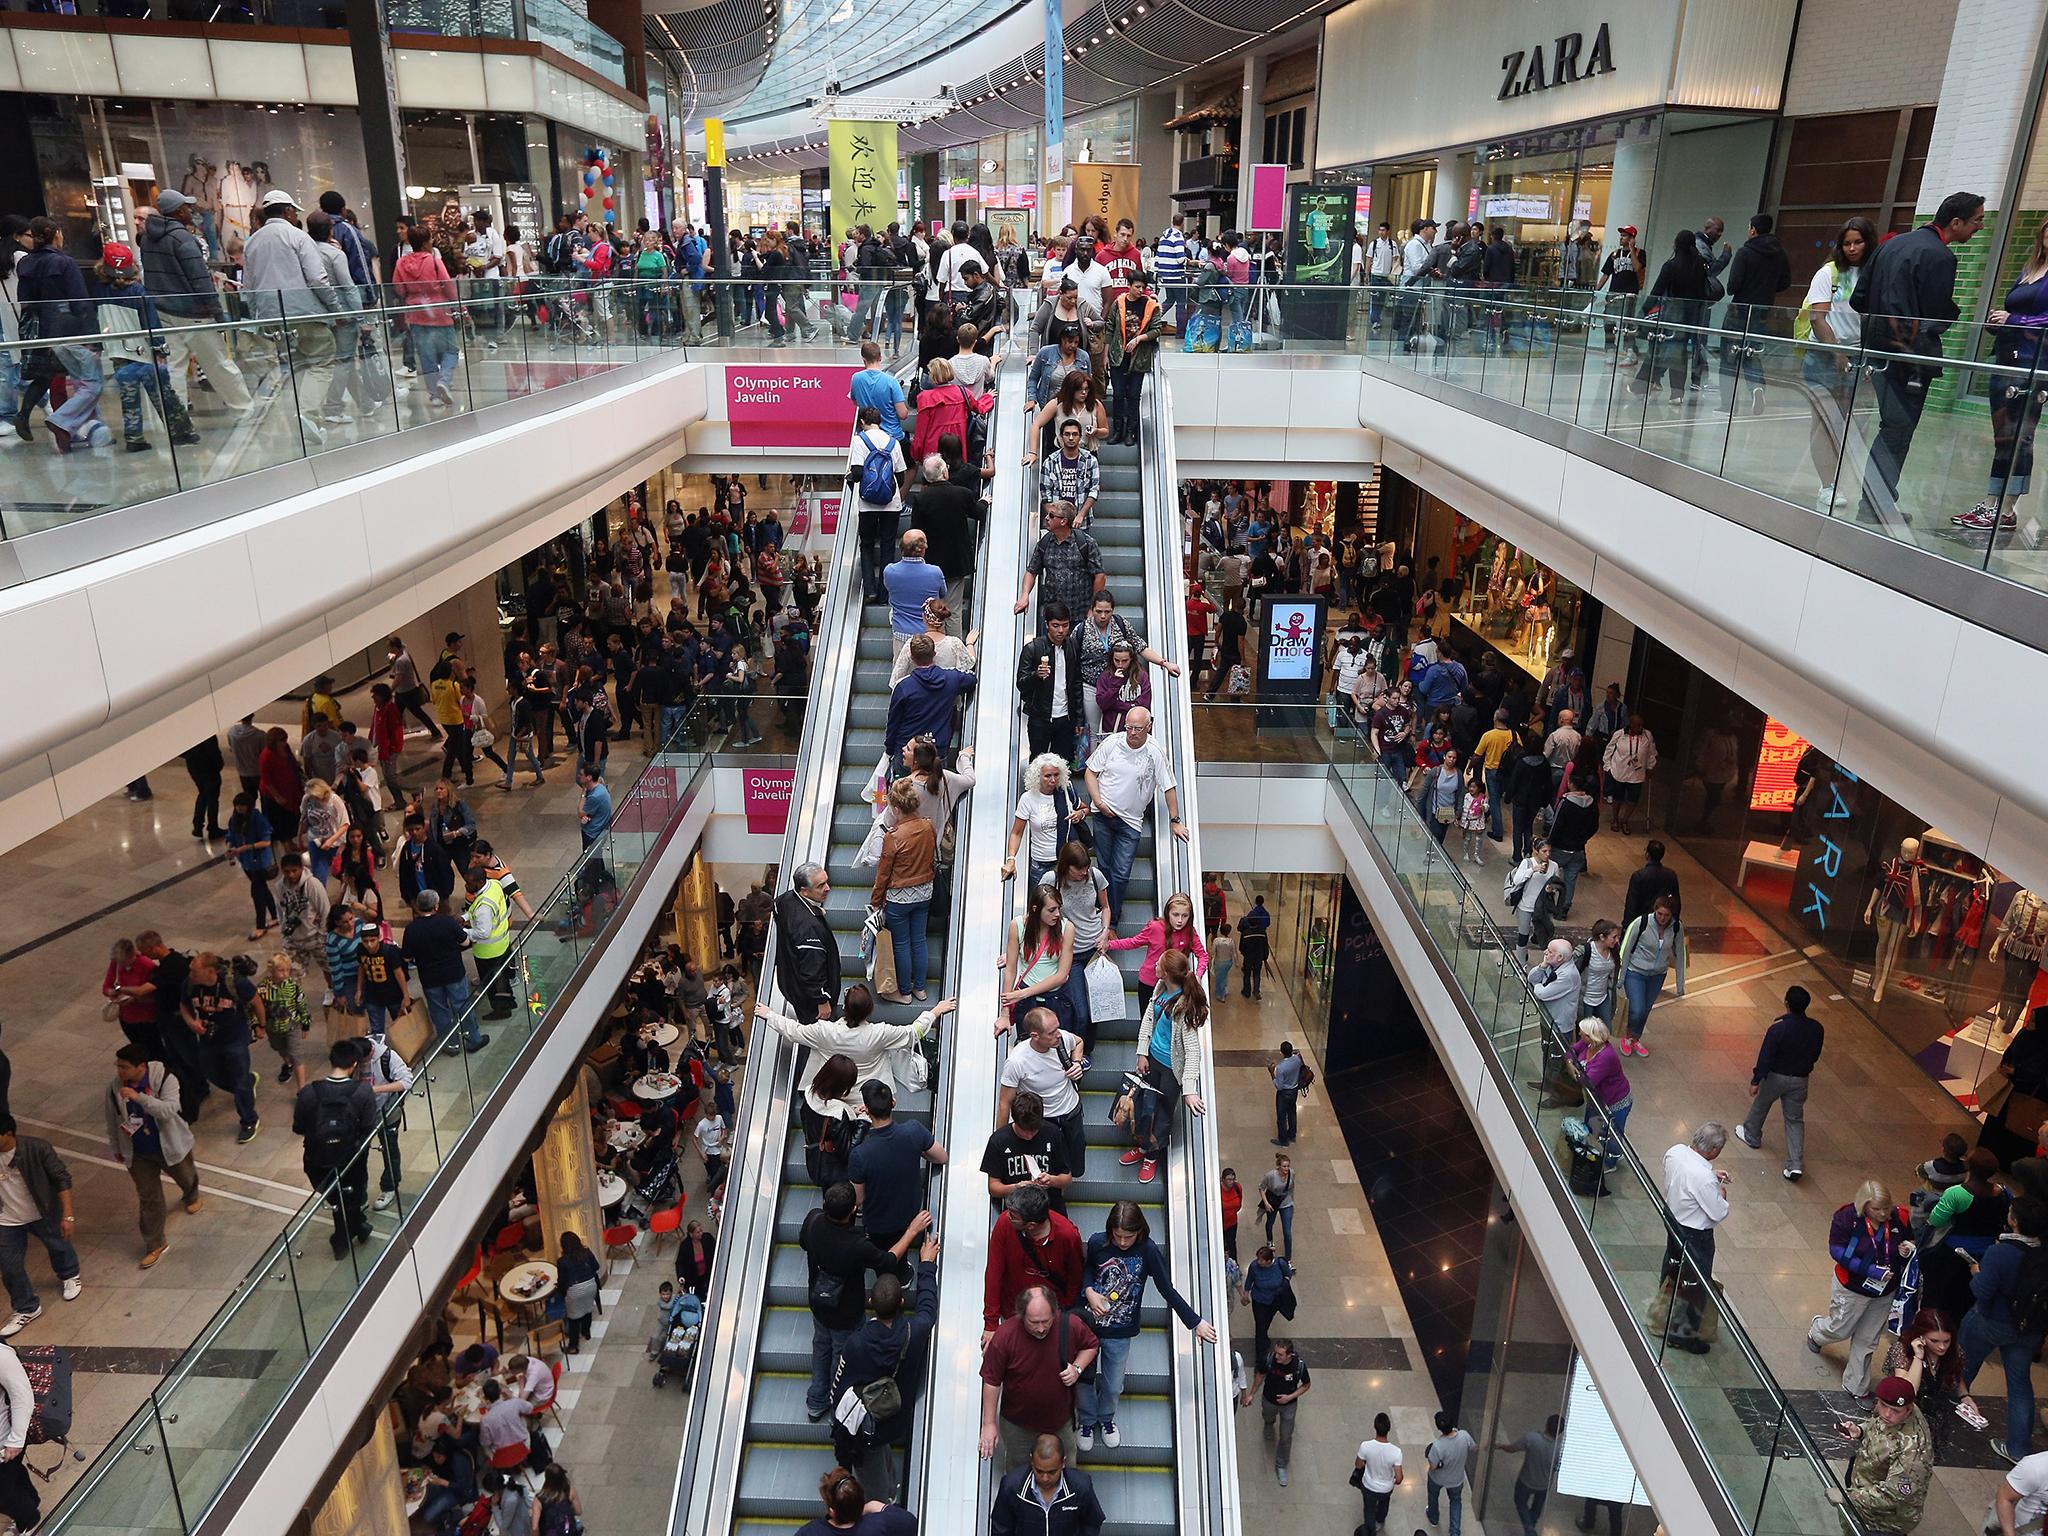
(1512, 601)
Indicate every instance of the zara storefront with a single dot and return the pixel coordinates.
(1560, 124)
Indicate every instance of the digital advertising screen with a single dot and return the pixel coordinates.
(1290, 638)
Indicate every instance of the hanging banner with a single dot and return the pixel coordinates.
(1055, 168)
(797, 405)
(765, 793)
(863, 160)
(1108, 190)
(1269, 198)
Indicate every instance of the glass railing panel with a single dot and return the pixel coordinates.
(130, 1492)
(1790, 408)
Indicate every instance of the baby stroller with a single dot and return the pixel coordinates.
(654, 1190)
(678, 1348)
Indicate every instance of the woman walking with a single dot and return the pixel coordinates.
(1276, 1200)
(1600, 1065)
(903, 889)
(1679, 299)
(1651, 946)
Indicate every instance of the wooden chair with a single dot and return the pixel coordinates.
(546, 1338)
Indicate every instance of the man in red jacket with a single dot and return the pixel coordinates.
(1033, 1245)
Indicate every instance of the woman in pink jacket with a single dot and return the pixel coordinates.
(1177, 929)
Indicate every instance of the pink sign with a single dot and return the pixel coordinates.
(1269, 197)
(766, 793)
(799, 523)
(828, 515)
(800, 406)
(1361, 203)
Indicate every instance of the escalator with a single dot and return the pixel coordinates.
(1174, 1468)
(753, 1459)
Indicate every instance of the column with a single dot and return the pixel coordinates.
(1251, 133)
(623, 21)
(1452, 197)
(1611, 653)
(696, 913)
(367, 1499)
(565, 1174)
(369, 46)
(1628, 194)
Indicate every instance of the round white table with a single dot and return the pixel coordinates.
(517, 1283)
(665, 1035)
(656, 1086)
(611, 1189)
(626, 1136)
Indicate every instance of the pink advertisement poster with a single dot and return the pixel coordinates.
(765, 793)
(1269, 197)
(790, 406)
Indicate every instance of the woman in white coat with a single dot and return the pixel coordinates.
(879, 1050)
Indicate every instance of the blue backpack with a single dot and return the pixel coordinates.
(878, 472)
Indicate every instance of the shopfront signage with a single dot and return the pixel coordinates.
(1775, 786)
(765, 792)
(1515, 205)
(1823, 873)
(1526, 70)
(790, 407)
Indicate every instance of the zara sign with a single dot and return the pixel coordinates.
(1525, 71)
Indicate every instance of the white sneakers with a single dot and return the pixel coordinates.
(19, 1321)
(383, 1201)
(72, 1288)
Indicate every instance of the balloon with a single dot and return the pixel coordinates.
(607, 205)
(607, 178)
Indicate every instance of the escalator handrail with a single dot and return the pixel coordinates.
(1205, 1436)
(961, 1046)
(707, 1475)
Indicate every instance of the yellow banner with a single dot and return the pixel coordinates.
(714, 141)
(1108, 190)
(863, 158)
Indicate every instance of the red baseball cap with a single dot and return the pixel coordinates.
(116, 257)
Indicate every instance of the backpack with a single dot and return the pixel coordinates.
(559, 1519)
(828, 1144)
(560, 255)
(977, 431)
(333, 1137)
(2030, 1294)
(878, 472)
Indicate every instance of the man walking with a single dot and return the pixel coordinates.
(1377, 1469)
(1908, 299)
(433, 948)
(333, 1119)
(1784, 1066)
(1281, 1385)
(1886, 1485)
(150, 1139)
(175, 275)
(215, 1008)
(1697, 1194)
(1539, 1465)
(35, 1201)
(1290, 1074)
(1448, 1456)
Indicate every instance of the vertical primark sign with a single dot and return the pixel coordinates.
(1526, 71)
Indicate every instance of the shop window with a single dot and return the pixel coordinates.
(1286, 141)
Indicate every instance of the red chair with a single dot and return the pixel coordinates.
(510, 1458)
(553, 1397)
(662, 1223)
(626, 1109)
(476, 1267)
(511, 1239)
(618, 1243)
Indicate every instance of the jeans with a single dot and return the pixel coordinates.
(1282, 1415)
(908, 923)
(672, 717)
(14, 1259)
(1571, 863)
(1789, 1093)
(1375, 1509)
(877, 549)
(826, 1343)
(1077, 996)
(262, 897)
(227, 1068)
(1126, 384)
(132, 379)
(1286, 1215)
(1099, 1398)
(1284, 1129)
(1529, 1505)
(1641, 989)
(80, 411)
(1116, 849)
(1152, 1123)
(1457, 1497)
(379, 1018)
(1220, 976)
(1263, 1313)
(1978, 1338)
(1376, 301)
(446, 1005)
(1493, 823)
(435, 345)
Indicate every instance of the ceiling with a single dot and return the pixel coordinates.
(760, 63)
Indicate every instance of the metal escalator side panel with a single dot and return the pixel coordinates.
(707, 1476)
(1205, 1436)
(956, 1486)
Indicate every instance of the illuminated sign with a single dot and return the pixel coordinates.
(1825, 866)
(1777, 759)
(1290, 641)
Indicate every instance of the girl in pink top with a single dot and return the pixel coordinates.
(424, 287)
(1176, 930)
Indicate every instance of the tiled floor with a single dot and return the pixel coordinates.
(1353, 1322)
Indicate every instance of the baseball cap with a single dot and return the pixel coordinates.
(116, 257)
(1627, 229)
(172, 201)
(1897, 1391)
(451, 637)
(277, 198)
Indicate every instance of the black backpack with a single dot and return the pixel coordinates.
(332, 1140)
(2030, 1294)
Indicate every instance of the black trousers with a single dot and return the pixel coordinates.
(206, 802)
(1050, 736)
(18, 1498)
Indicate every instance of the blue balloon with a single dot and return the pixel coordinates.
(607, 178)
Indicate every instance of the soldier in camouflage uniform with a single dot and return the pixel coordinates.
(1893, 1461)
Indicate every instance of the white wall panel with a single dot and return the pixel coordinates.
(1816, 713)
(257, 72)
(166, 66)
(1740, 577)
(64, 63)
(430, 77)
(10, 72)
(330, 76)
(508, 83)
(1883, 649)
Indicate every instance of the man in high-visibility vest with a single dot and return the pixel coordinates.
(490, 940)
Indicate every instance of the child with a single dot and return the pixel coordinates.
(1222, 956)
(281, 1006)
(722, 1095)
(1472, 820)
(380, 981)
(344, 949)
(135, 349)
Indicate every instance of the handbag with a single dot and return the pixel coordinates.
(1070, 831)
(871, 846)
(1105, 989)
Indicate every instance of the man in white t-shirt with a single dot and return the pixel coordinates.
(2022, 1498)
(710, 1135)
(1048, 1062)
(878, 518)
(1125, 771)
(1378, 1470)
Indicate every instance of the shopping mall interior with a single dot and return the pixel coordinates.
(672, 703)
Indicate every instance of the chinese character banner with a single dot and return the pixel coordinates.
(863, 157)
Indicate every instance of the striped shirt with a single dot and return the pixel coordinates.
(1170, 257)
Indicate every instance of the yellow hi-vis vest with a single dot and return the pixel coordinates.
(492, 898)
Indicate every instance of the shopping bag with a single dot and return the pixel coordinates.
(1240, 338)
(876, 790)
(871, 845)
(1204, 333)
(409, 1033)
(1105, 989)
(882, 973)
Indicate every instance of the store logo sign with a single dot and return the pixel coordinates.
(1824, 867)
(1523, 72)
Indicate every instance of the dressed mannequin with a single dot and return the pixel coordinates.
(1895, 907)
(2022, 936)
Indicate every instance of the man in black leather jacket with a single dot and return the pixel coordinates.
(806, 950)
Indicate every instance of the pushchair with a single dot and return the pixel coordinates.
(677, 1351)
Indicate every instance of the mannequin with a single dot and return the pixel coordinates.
(2022, 935)
(1894, 906)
